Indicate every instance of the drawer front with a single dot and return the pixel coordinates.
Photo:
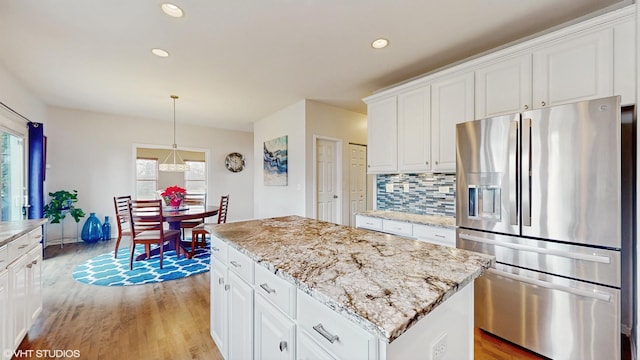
(219, 250)
(434, 235)
(366, 222)
(397, 227)
(240, 264)
(18, 247)
(4, 257)
(333, 332)
(281, 293)
(35, 236)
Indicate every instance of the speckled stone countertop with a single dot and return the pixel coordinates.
(433, 220)
(11, 230)
(383, 283)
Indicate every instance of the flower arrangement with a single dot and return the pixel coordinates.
(173, 195)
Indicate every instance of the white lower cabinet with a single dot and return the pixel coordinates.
(20, 288)
(4, 311)
(431, 234)
(274, 336)
(435, 235)
(231, 308)
(18, 300)
(308, 349)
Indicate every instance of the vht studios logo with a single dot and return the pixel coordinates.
(34, 354)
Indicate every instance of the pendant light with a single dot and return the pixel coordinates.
(173, 162)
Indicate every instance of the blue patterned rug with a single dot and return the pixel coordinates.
(104, 270)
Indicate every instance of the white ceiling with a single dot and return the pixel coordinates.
(235, 61)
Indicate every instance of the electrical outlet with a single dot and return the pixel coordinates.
(443, 189)
(389, 187)
(439, 348)
(406, 187)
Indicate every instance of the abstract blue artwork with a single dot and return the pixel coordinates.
(275, 162)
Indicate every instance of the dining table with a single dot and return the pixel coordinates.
(174, 218)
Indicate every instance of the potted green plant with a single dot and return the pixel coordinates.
(60, 205)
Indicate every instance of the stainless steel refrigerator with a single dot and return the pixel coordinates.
(541, 191)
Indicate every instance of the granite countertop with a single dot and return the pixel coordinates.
(11, 230)
(432, 220)
(383, 283)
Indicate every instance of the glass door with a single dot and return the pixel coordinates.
(11, 177)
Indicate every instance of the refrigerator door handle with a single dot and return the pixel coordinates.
(513, 172)
(526, 172)
(566, 254)
(586, 293)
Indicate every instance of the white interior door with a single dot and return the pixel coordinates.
(357, 181)
(327, 203)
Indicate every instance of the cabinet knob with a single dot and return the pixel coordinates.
(543, 103)
(220, 281)
(368, 166)
(227, 287)
(526, 107)
(426, 163)
(283, 345)
(436, 163)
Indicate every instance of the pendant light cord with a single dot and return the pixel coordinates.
(174, 97)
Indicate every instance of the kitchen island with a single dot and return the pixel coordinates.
(322, 288)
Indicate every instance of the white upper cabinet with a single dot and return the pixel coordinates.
(382, 156)
(452, 102)
(624, 61)
(504, 87)
(414, 130)
(573, 69)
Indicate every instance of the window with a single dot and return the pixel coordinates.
(194, 179)
(146, 178)
(12, 189)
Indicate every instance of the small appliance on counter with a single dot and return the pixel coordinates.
(543, 191)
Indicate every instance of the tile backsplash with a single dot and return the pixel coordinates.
(428, 194)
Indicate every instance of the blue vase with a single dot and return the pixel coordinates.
(106, 229)
(92, 229)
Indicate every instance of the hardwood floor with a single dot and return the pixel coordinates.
(168, 320)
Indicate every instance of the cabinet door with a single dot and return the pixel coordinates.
(574, 69)
(308, 349)
(240, 310)
(4, 314)
(218, 312)
(382, 156)
(414, 131)
(34, 284)
(452, 103)
(275, 333)
(504, 87)
(18, 300)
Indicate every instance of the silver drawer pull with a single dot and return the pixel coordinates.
(440, 236)
(227, 287)
(235, 263)
(283, 345)
(327, 335)
(220, 281)
(213, 248)
(266, 288)
(29, 266)
(34, 262)
(22, 246)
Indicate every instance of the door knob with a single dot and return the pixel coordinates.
(335, 196)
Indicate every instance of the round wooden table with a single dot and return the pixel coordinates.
(174, 218)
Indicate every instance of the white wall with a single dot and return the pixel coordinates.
(270, 201)
(94, 154)
(332, 122)
(16, 95)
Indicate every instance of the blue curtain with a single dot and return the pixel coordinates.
(35, 173)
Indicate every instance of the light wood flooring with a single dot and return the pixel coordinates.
(168, 320)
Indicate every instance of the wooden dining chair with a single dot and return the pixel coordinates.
(198, 200)
(147, 228)
(199, 233)
(121, 205)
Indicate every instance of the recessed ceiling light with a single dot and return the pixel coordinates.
(160, 52)
(380, 43)
(172, 10)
